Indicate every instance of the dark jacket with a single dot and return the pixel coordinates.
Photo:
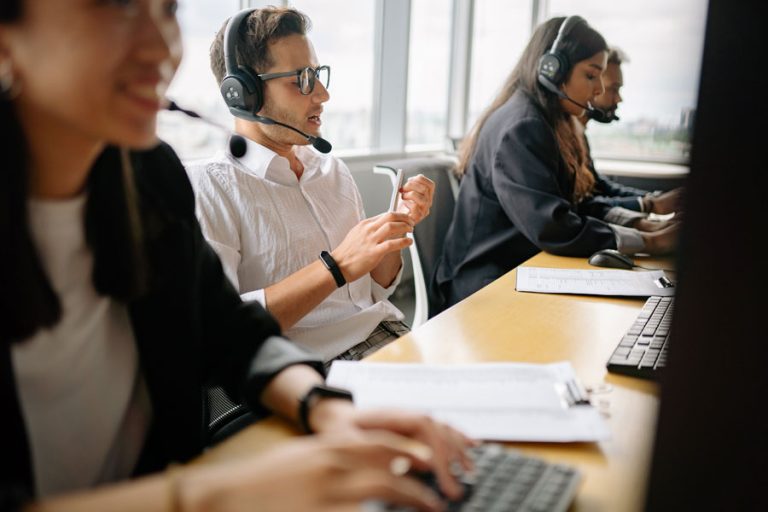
(190, 326)
(514, 201)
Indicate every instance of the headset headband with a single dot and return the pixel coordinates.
(230, 40)
(565, 27)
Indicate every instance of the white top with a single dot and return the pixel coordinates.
(84, 402)
(265, 224)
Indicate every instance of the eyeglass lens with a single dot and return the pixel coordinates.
(309, 75)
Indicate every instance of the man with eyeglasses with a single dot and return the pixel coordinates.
(287, 221)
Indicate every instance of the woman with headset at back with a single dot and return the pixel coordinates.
(525, 183)
(115, 311)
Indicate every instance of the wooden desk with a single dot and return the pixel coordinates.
(499, 324)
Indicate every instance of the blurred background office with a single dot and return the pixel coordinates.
(410, 77)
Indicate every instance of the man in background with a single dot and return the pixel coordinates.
(611, 192)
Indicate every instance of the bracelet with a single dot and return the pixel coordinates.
(321, 391)
(333, 268)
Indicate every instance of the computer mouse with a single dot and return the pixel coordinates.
(611, 258)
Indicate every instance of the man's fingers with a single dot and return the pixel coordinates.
(392, 230)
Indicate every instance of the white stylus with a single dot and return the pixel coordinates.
(396, 192)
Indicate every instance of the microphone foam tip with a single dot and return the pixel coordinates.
(237, 146)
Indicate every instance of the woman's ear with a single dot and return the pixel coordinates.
(8, 85)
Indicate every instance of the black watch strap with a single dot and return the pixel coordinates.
(333, 267)
(318, 391)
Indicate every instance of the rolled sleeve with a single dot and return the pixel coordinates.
(628, 240)
(623, 216)
(275, 355)
(255, 295)
(379, 293)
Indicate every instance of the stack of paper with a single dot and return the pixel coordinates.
(626, 283)
(490, 401)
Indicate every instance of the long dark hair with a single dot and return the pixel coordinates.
(27, 299)
(581, 42)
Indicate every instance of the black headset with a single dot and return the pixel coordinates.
(242, 90)
(555, 65)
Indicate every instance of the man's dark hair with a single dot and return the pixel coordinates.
(617, 56)
(260, 28)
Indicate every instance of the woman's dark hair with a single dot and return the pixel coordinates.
(27, 300)
(10, 11)
(580, 43)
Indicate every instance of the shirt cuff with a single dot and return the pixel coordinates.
(275, 355)
(257, 295)
(379, 293)
(628, 240)
(623, 216)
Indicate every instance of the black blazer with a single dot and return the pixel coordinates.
(514, 201)
(190, 327)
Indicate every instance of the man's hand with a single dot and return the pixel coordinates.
(416, 198)
(369, 241)
(663, 241)
(668, 202)
(650, 226)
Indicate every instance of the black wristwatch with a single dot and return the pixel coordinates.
(333, 267)
(308, 400)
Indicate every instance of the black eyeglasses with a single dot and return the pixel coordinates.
(305, 77)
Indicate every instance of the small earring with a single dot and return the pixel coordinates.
(9, 88)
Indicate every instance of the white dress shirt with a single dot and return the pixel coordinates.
(265, 224)
(85, 404)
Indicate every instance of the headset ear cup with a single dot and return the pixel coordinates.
(233, 91)
(255, 86)
(553, 68)
(565, 67)
(243, 91)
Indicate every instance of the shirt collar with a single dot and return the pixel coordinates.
(262, 162)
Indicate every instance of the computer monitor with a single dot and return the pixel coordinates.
(711, 449)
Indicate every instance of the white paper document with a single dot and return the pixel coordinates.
(488, 401)
(625, 283)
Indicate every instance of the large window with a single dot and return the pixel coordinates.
(428, 66)
(501, 31)
(343, 35)
(664, 41)
(194, 86)
(374, 75)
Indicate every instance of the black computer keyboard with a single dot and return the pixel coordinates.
(506, 480)
(642, 352)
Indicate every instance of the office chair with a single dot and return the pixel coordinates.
(223, 417)
(429, 234)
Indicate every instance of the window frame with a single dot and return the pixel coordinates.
(390, 84)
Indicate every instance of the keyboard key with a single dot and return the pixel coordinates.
(642, 351)
(507, 481)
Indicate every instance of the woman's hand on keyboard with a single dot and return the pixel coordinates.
(316, 474)
(444, 444)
